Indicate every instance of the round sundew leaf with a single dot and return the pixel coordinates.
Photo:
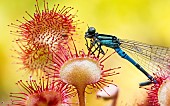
(46, 92)
(80, 71)
(50, 27)
(164, 93)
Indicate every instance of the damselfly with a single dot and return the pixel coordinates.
(149, 56)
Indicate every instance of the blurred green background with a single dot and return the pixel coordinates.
(146, 21)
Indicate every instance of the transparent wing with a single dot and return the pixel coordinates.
(148, 56)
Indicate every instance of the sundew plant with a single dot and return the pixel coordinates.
(47, 49)
(43, 33)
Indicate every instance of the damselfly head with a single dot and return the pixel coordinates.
(90, 32)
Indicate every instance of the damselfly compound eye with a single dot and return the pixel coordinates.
(80, 70)
(44, 93)
(90, 33)
(91, 30)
